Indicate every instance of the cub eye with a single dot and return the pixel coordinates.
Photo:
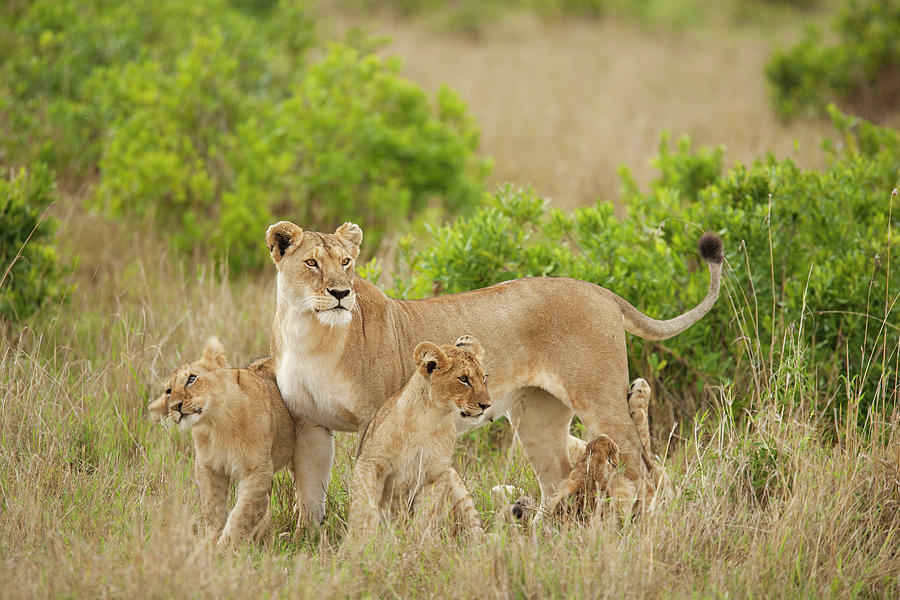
(464, 379)
(191, 379)
(345, 262)
(168, 391)
(311, 262)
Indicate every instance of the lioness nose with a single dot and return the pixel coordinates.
(339, 294)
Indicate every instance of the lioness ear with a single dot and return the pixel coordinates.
(214, 353)
(351, 235)
(428, 357)
(281, 236)
(467, 342)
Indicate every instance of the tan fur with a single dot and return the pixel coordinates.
(595, 477)
(404, 455)
(556, 348)
(241, 430)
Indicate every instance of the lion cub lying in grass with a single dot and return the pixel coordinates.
(404, 454)
(241, 429)
(595, 485)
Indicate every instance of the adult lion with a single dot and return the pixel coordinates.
(555, 347)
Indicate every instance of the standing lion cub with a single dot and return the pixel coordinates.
(404, 454)
(241, 429)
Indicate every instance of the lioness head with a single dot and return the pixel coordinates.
(190, 387)
(316, 270)
(456, 376)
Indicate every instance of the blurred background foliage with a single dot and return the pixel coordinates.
(206, 121)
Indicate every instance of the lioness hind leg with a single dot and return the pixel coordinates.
(541, 422)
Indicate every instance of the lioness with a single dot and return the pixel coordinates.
(556, 347)
(405, 452)
(242, 430)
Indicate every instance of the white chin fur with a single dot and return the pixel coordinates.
(335, 318)
(464, 424)
(188, 421)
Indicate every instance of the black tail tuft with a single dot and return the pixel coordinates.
(710, 246)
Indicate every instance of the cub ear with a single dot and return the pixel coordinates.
(429, 357)
(214, 353)
(351, 235)
(612, 450)
(470, 344)
(281, 236)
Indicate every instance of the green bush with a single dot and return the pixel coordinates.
(353, 140)
(861, 70)
(812, 254)
(29, 266)
(54, 52)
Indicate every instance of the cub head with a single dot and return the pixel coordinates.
(190, 388)
(456, 377)
(316, 270)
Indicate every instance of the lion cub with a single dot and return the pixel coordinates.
(595, 482)
(241, 429)
(404, 454)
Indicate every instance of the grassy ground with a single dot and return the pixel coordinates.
(563, 102)
(784, 501)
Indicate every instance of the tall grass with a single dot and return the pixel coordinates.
(785, 499)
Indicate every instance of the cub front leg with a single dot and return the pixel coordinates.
(213, 486)
(251, 507)
(313, 457)
(365, 498)
(462, 505)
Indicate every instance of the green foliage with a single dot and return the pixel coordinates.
(861, 70)
(352, 141)
(29, 266)
(826, 232)
(54, 53)
(355, 141)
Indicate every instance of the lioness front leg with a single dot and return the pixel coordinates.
(213, 487)
(251, 506)
(313, 457)
(365, 499)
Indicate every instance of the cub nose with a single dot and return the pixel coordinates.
(178, 407)
(484, 405)
(339, 294)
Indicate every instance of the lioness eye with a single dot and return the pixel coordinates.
(464, 379)
(345, 262)
(311, 263)
(191, 379)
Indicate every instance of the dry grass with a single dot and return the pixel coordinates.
(97, 502)
(563, 103)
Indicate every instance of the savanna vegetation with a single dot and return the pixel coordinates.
(144, 147)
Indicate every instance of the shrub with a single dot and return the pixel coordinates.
(199, 157)
(53, 51)
(861, 70)
(29, 266)
(816, 253)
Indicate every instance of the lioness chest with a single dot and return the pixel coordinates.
(312, 390)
